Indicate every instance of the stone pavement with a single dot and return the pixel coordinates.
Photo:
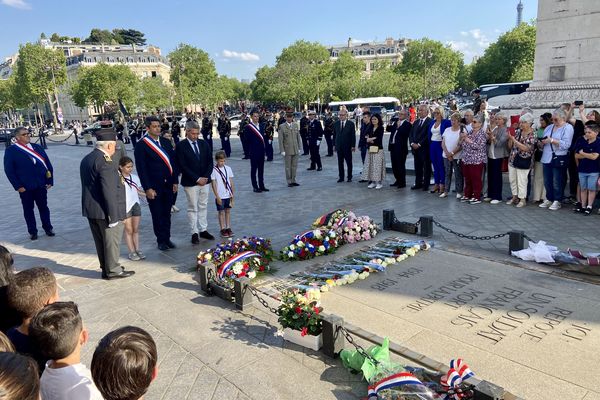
(207, 349)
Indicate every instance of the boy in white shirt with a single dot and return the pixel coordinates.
(222, 186)
(58, 332)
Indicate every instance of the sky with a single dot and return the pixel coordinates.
(242, 36)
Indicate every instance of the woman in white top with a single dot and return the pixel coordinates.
(133, 190)
(451, 155)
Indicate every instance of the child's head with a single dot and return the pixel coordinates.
(57, 330)
(591, 130)
(220, 158)
(31, 290)
(5, 344)
(19, 379)
(124, 363)
(126, 165)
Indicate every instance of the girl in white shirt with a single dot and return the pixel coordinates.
(133, 190)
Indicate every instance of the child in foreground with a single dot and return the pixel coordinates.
(222, 186)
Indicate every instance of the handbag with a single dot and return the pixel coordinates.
(373, 149)
(521, 162)
(557, 161)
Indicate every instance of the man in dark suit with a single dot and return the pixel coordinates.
(398, 147)
(419, 143)
(304, 133)
(345, 143)
(158, 172)
(329, 133)
(207, 131)
(195, 163)
(315, 136)
(224, 128)
(103, 203)
(255, 138)
(30, 172)
(241, 133)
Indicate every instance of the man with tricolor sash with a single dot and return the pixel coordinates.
(256, 147)
(30, 172)
(157, 168)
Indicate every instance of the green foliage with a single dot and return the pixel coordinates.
(37, 71)
(436, 62)
(154, 94)
(465, 78)
(129, 36)
(103, 84)
(7, 94)
(194, 75)
(100, 36)
(345, 77)
(301, 312)
(509, 59)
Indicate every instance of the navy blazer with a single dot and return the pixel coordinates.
(400, 136)
(22, 172)
(256, 146)
(420, 133)
(191, 166)
(152, 170)
(445, 124)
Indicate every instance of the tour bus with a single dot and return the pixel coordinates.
(498, 94)
(383, 105)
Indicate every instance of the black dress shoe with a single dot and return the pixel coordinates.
(33, 237)
(362, 181)
(394, 184)
(171, 245)
(319, 169)
(290, 185)
(295, 184)
(349, 180)
(264, 189)
(206, 235)
(195, 239)
(120, 275)
(50, 233)
(310, 169)
(257, 190)
(340, 180)
(416, 187)
(163, 247)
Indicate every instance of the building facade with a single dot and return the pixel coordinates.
(372, 53)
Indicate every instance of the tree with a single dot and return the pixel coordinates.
(509, 59)
(154, 94)
(39, 72)
(436, 62)
(100, 36)
(103, 83)
(55, 38)
(129, 36)
(193, 74)
(465, 77)
(7, 94)
(345, 77)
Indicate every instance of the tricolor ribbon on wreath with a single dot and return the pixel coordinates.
(396, 380)
(36, 156)
(159, 151)
(237, 258)
(458, 372)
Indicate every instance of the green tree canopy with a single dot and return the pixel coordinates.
(345, 77)
(7, 94)
(193, 74)
(37, 71)
(154, 94)
(103, 84)
(509, 59)
(100, 36)
(129, 36)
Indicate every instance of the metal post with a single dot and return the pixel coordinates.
(426, 225)
(243, 297)
(333, 340)
(516, 241)
(388, 219)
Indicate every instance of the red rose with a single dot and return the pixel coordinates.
(304, 331)
(261, 268)
(298, 310)
(316, 310)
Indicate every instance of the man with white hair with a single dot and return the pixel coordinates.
(103, 203)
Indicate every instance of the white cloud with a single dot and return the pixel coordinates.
(243, 56)
(21, 4)
(471, 43)
(481, 39)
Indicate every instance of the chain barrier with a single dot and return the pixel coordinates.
(528, 238)
(262, 301)
(471, 237)
(361, 350)
(61, 140)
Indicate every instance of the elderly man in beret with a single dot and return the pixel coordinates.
(103, 203)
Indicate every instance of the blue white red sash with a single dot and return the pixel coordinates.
(257, 132)
(237, 258)
(304, 235)
(458, 372)
(401, 379)
(159, 151)
(32, 153)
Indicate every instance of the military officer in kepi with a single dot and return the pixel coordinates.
(30, 172)
(269, 130)
(103, 203)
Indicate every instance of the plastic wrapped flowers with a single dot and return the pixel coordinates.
(355, 229)
(311, 244)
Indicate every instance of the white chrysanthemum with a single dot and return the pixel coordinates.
(237, 268)
(290, 254)
(317, 233)
(322, 248)
(252, 274)
(292, 247)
